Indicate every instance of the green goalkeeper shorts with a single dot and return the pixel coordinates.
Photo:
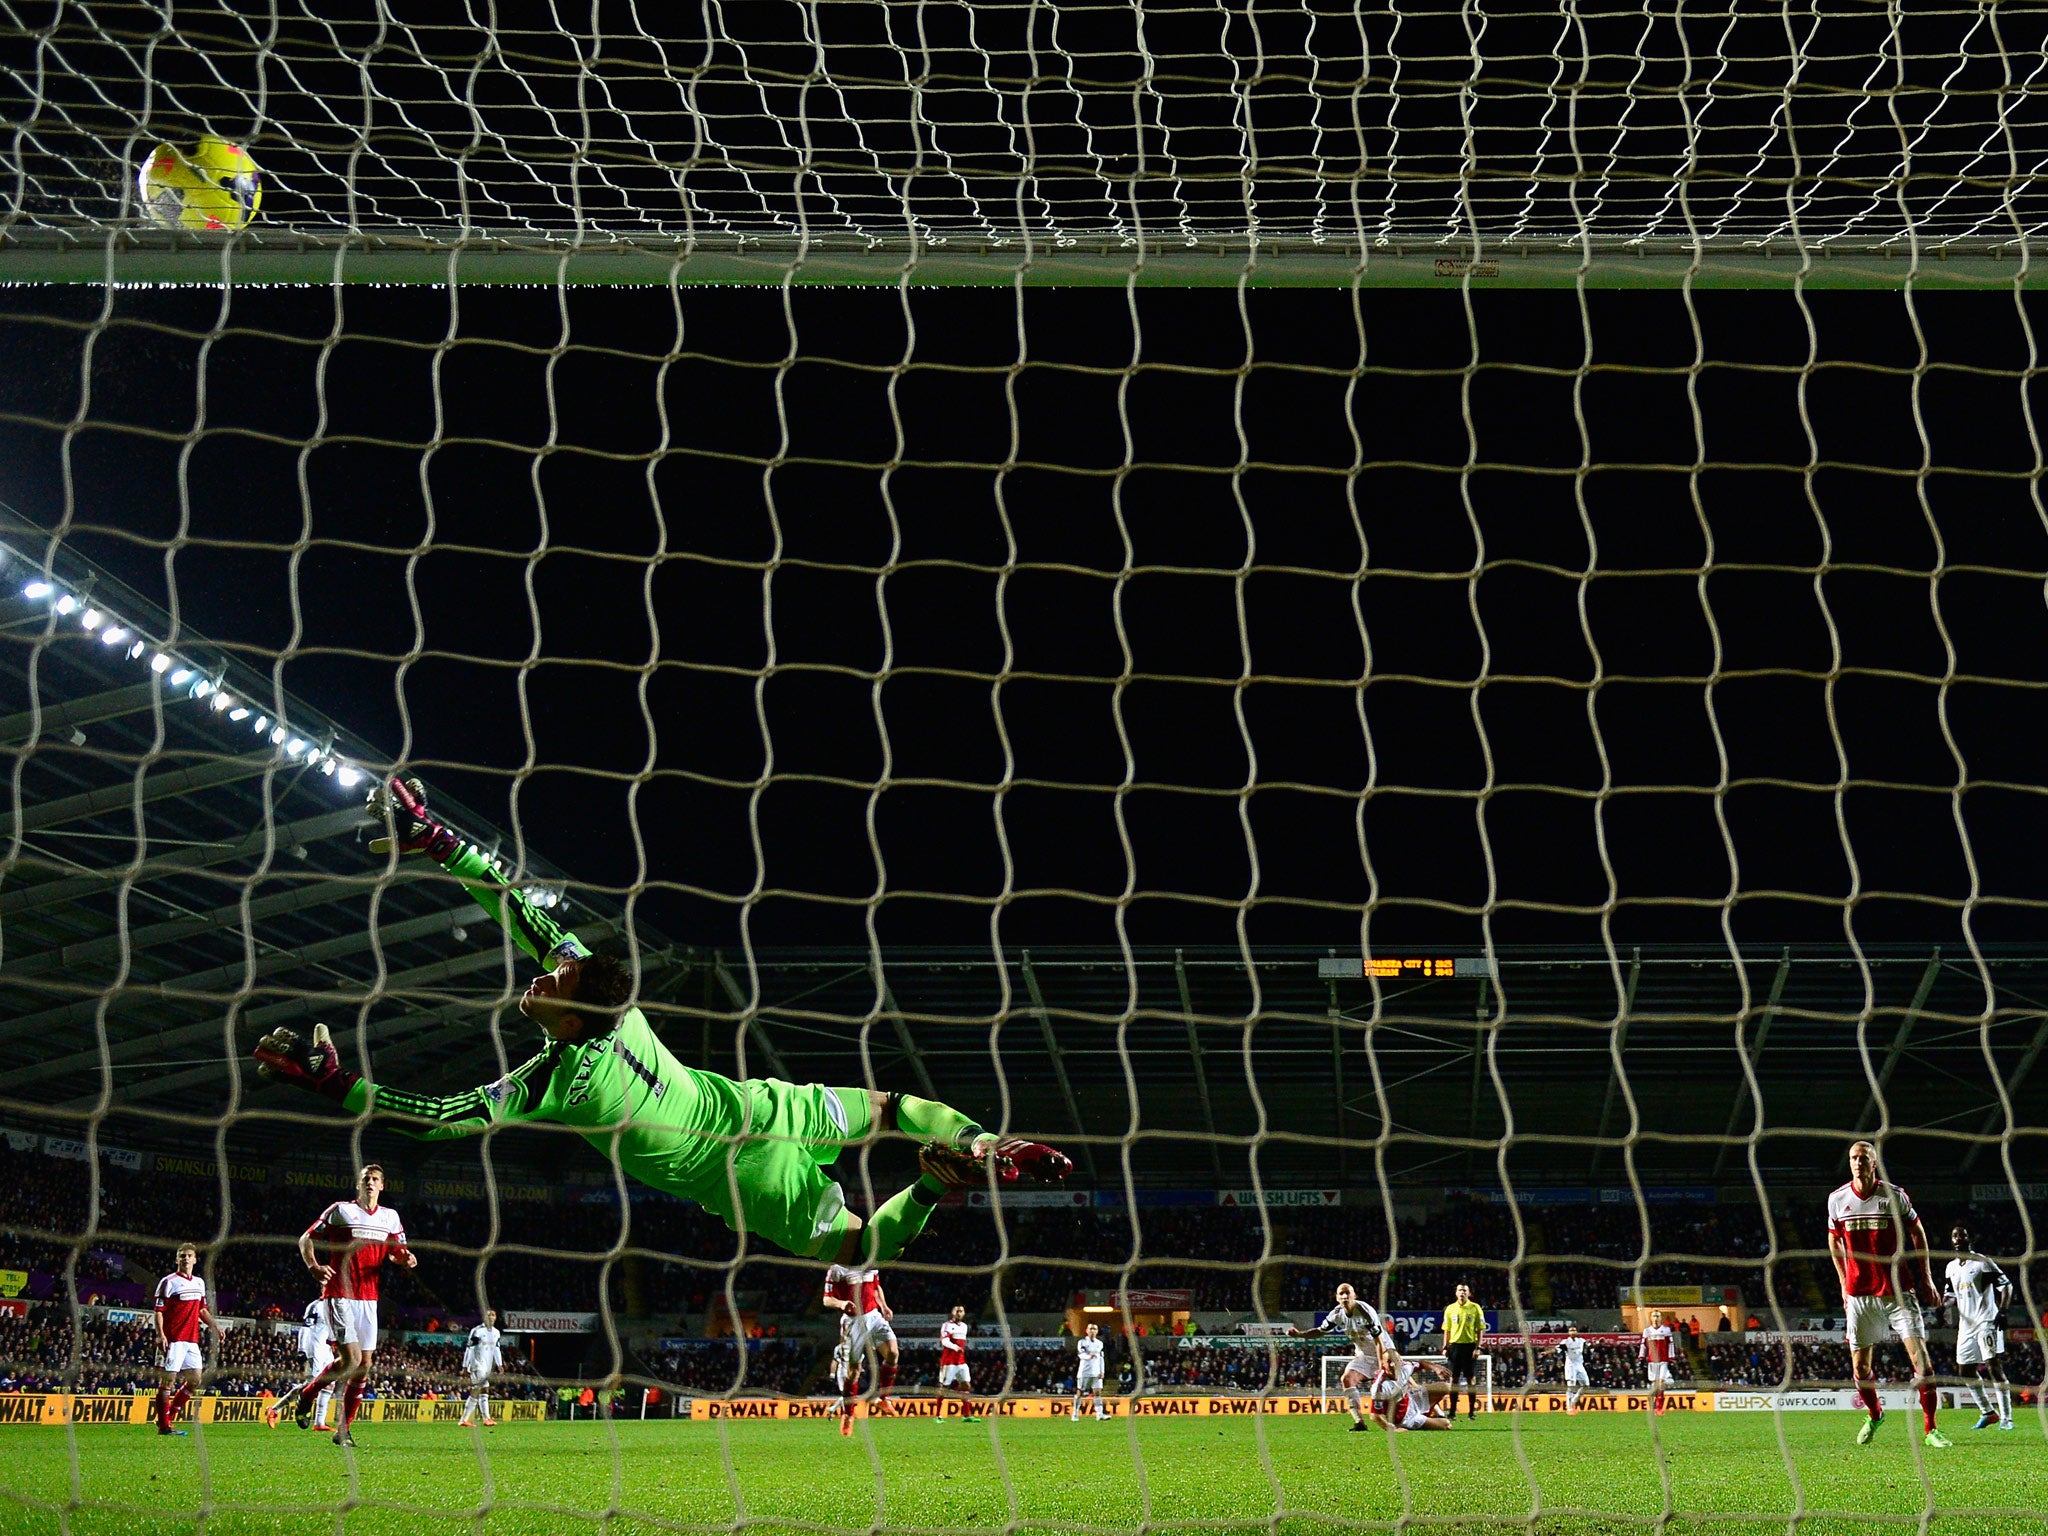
(773, 1184)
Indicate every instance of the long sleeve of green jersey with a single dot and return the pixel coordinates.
(517, 1096)
(545, 940)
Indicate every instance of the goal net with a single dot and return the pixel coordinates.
(1410, 636)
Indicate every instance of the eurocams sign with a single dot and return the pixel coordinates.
(125, 1408)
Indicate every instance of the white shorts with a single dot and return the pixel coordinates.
(321, 1358)
(1979, 1346)
(952, 1375)
(1414, 1410)
(1873, 1319)
(352, 1322)
(1575, 1376)
(480, 1379)
(1660, 1371)
(183, 1356)
(1362, 1364)
(1088, 1381)
(872, 1329)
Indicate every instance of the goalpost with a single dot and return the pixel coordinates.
(824, 497)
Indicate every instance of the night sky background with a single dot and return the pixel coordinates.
(872, 555)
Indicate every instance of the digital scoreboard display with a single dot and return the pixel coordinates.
(1356, 968)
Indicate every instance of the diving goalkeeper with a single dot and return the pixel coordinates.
(754, 1152)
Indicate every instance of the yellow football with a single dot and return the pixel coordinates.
(215, 185)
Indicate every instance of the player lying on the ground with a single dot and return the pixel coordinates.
(754, 1153)
(1367, 1333)
(180, 1309)
(1404, 1400)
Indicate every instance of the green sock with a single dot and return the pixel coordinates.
(898, 1219)
(929, 1120)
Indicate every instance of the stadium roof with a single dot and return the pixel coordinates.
(183, 867)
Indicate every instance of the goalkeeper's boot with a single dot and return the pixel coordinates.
(1986, 1420)
(1869, 1429)
(1936, 1440)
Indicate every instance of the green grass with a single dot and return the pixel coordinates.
(1714, 1474)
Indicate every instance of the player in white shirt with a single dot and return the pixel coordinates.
(1362, 1325)
(1980, 1292)
(857, 1294)
(1572, 1350)
(953, 1376)
(318, 1353)
(481, 1356)
(845, 1373)
(1406, 1400)
(1088, 1373)
(1655, 1353)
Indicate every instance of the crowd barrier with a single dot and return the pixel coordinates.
(1150, 1407)
(140, 1408)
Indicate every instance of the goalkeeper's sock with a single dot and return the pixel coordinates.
(1929, 1401)
(899, 1219)
(928, 1120)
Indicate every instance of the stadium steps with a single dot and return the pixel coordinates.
(1538, 1273)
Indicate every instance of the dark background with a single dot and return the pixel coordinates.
(1645, 605)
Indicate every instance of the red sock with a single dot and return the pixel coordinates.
(350, 1401)
(1929, 1400)
(163, 1408)
(311, 1390)
(179, 1399)
(888, 1379)
(1868, 1393)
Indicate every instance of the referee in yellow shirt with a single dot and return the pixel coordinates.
(1464, 1321)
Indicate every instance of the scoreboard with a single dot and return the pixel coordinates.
(1356, 968)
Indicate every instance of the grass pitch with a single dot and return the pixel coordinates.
(1719, 1474)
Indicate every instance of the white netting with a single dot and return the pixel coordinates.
(1841, 122)
(1414, 789)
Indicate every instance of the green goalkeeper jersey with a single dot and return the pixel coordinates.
(677, 1129)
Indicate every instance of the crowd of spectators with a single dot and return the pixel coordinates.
(42, 1353)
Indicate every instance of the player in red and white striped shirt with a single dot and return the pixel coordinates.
(858, 1294)
(953, 1359)
(1655, 1353)
(1881, 1260)
(180, 1309)
(348, 1269)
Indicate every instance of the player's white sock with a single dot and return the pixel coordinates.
(321, 1405)
(1980, 1389)
(483, 1401)
(2003, 1392)
(1571, 1397)
(1357, 1397)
